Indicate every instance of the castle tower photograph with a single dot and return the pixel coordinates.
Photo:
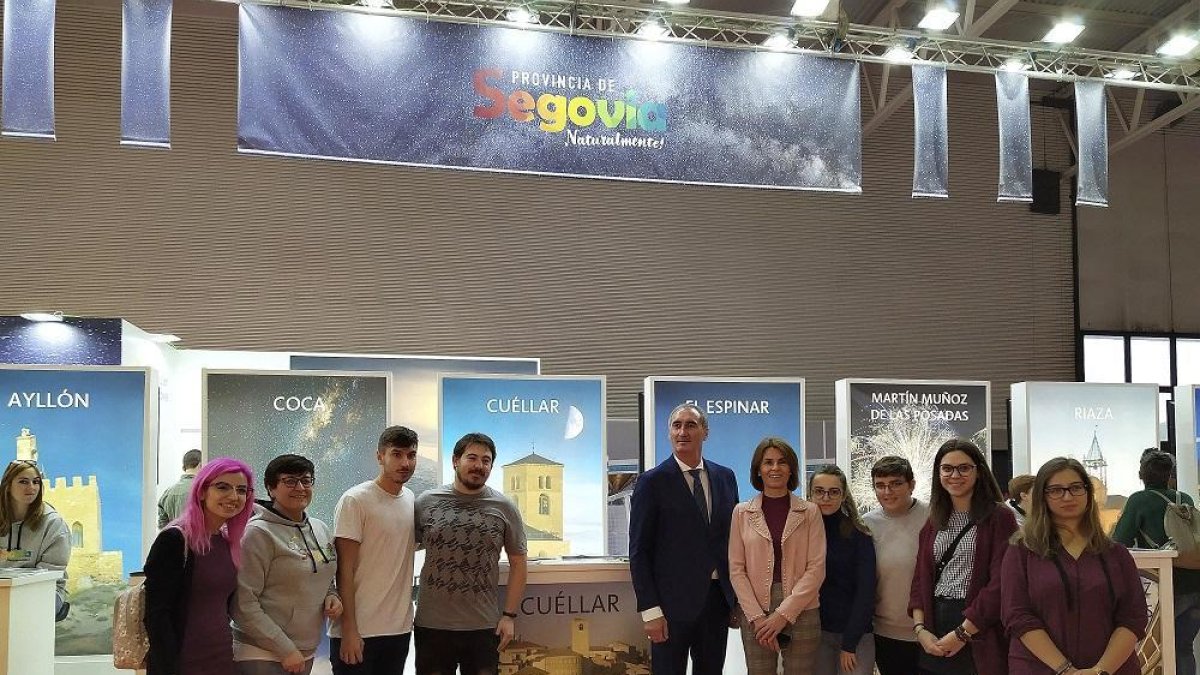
(1103, 426)
(86, 427)
(550, 453)
(535, 484)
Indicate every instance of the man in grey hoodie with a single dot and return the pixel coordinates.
(285, 583)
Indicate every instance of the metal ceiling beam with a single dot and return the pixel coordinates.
(978, 27)
(855, 42)
(1141, 132)
(885, 14)
(1173, 20)
(1088, 15)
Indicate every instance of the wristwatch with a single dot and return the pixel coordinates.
(513, 615)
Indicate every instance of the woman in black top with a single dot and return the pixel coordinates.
(191, 574)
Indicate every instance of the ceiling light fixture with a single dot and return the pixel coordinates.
(780, 40)
(1121, 74)
(1179, 45)
(675, 2)
(654, 29)
(1016, 65)
(899, 54)
(938, 18)
(521, 14)
(43, 316)
(1063, 32)
(809, 8)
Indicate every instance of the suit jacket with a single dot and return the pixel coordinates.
(672, 551)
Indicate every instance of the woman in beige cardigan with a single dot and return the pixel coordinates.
(777, 565)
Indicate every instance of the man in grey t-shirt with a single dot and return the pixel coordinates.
(463, 526)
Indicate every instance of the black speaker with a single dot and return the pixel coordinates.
(1046, 196)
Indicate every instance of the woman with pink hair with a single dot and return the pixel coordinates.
(191, 574)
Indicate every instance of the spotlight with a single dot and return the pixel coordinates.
(938, 18)
(780, 40)
(809, 8)
(1063, 32)
(1121, 74)
(521, 14)
(1016, 65)
(901, 52)
(654, 29)
(1178, 45)
(43, 316)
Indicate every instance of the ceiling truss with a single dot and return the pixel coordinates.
(858, 42)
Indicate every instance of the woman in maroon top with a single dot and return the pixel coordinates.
(1072, 599)
(955, 599)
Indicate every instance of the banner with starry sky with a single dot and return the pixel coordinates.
(333, 419)
(345, 85)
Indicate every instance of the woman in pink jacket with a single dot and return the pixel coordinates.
(777, 565)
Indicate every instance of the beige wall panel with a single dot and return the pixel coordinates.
(613, 278)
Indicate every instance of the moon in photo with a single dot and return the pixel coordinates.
(574, 423)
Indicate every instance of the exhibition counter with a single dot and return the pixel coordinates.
(1156, 653)
(582, 610)
(577, 611)
(27, 620)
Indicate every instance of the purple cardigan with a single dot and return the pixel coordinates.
(1033, 598)
(983, 595)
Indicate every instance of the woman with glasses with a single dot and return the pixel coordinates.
(777, 564)
(848, 592)
(1072, 598)
(955, 599)
(191, 574)
(31, 531)
(285, 584)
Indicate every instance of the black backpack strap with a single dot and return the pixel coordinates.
(949, 553)
(1112, 590)
(1146, 538)
(1062, 574)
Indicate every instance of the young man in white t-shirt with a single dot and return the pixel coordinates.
(374, 536)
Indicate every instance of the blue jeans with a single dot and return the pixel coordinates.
(1187, 625)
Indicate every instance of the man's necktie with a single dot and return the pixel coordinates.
(698, 493)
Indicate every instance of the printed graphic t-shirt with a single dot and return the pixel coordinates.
(463, 535)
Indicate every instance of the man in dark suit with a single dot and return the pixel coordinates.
(679, 551)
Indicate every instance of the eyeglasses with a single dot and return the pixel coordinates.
(226, 488)
(294, 481)
(963, 470)
(894, 486)
(1059, 491)
(831, 493)
(26, 462)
